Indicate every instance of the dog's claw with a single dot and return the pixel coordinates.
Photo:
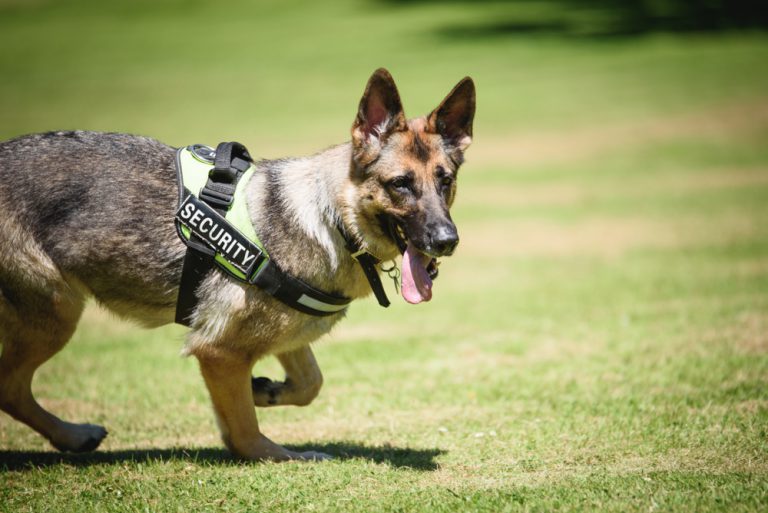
(315, 456)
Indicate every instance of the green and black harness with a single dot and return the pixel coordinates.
(213, 221)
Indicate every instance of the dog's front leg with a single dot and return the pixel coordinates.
(303, 380)
(227, 375)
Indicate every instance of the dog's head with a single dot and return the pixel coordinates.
(405, 172)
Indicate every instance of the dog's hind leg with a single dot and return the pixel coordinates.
(26, 346)
(39, 310)
(303, 381)
(227, 375)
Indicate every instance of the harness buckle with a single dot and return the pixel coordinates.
(254, 272)
(216, 199)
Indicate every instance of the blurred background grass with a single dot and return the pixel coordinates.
(288, 73)
(598, 341)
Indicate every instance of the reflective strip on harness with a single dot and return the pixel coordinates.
(317, 305)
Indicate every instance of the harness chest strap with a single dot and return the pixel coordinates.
(217, 230)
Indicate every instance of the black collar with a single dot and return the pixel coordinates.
(368, 262)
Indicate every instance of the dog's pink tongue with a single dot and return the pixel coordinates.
(416, 283)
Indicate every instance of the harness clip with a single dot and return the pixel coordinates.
(216, 199)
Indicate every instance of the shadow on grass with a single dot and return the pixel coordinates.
(398, 457)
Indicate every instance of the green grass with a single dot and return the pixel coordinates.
(598, 342)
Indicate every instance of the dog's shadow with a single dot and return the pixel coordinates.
(397, 457)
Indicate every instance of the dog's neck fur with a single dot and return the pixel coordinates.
(296, 206)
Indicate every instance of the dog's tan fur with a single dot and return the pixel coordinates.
(295, 206)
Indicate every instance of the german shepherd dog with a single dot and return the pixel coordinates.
(92, 214)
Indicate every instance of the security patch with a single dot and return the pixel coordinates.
(221, 236)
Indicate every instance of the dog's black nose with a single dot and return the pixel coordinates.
(445, 239)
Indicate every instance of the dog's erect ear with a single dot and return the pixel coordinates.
(453, 118)
(379, 115)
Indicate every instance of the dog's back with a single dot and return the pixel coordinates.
(94, 210)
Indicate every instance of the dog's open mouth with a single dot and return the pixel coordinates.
(419, 269)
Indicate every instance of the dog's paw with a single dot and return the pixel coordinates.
(266, 392)
(81, 438)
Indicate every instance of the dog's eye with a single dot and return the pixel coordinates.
(444, 179)
(401, 183)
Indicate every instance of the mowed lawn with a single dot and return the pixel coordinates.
(598, 342)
